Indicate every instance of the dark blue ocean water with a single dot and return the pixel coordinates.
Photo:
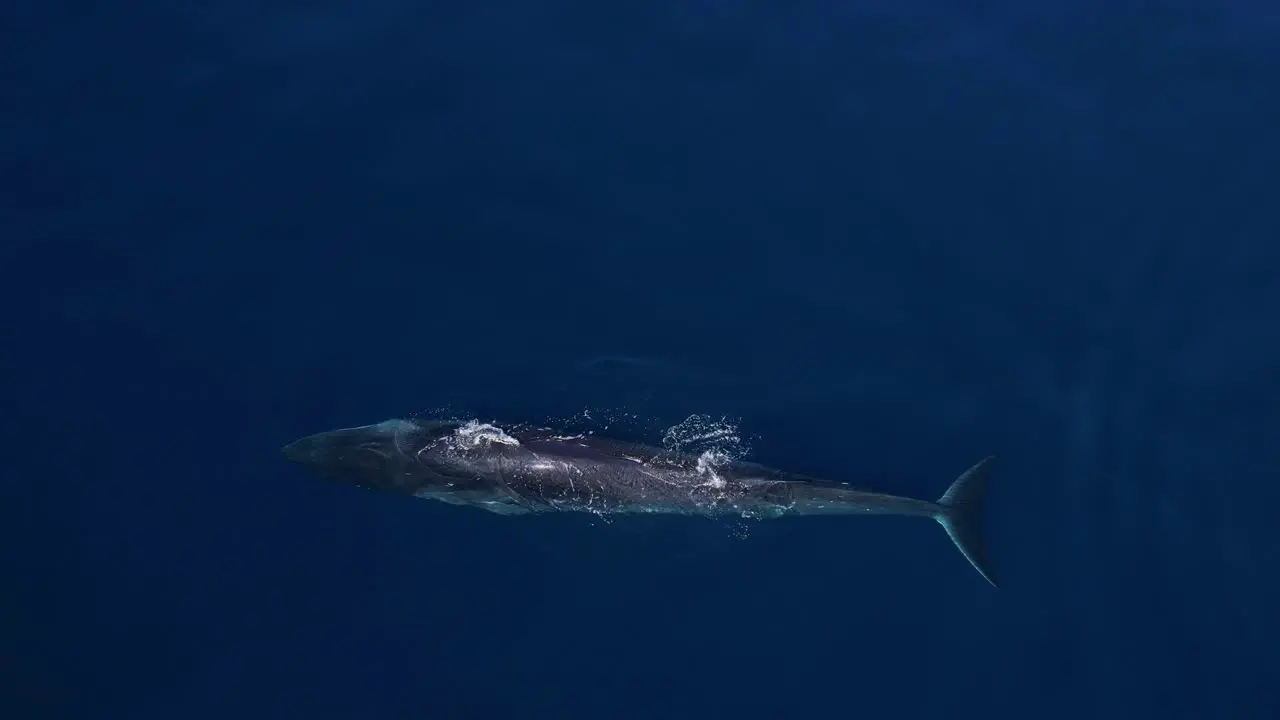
(884, 238)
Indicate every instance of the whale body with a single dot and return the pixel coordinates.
(521, 470)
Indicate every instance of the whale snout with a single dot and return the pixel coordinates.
(298, 451)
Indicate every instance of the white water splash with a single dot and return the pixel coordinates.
(474, 434)
(717, 444)
(702, 434)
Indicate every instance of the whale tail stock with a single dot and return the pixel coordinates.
(960, 514)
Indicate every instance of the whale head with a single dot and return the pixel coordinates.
(385, 456)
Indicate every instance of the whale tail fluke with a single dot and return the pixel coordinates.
(960, 514)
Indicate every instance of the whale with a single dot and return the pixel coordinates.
(522, 469)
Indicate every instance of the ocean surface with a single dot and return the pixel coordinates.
(873, 241)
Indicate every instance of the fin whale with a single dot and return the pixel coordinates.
(525, 469)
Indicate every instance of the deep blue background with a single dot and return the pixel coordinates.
(891, 237)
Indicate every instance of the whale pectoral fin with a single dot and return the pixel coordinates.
(501, 507)
(960, 514)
